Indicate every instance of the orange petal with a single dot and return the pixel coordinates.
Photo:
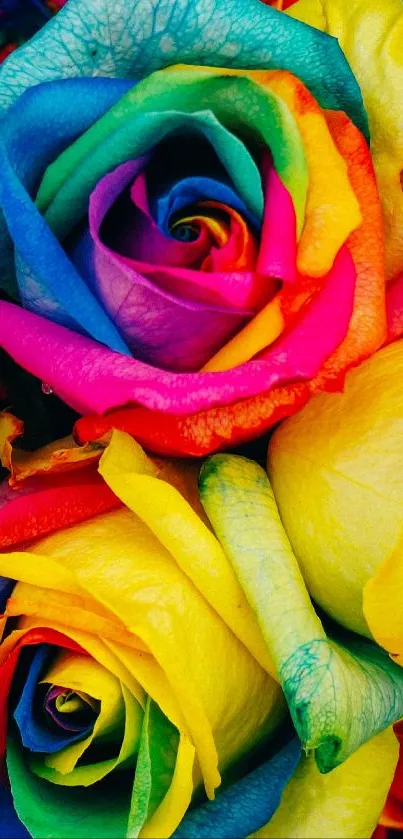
(367, 330)
(59, 456)
(10, 429)
(199, 434)
(59, 504)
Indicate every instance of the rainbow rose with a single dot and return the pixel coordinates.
(199, 253)
(143, 657)
(114, 708)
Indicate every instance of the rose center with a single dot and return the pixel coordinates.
(70, 709)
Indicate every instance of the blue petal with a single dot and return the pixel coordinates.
(34, 736)
(48, 281)
(245, 806)
(10, 825)
(6, 587)
(193, 189)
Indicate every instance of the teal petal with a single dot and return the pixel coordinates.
(134, 137)
(131, 38)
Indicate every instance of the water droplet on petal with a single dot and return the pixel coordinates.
(46, 389)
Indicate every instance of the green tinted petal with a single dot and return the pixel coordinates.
(137, 137)
(159, 105)
(47, 810)
(155, 767)
(340, 692)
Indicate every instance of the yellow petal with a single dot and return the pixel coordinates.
(177, 800)
(96, 647)
(59, 456)
(196, 550)
(328, 222)
(337, 474)
(117, 562)
(261, 331)
(10, 429)
(345, 804)
(383, 603)
(370, 32)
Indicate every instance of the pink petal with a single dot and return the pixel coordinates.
(93, 379)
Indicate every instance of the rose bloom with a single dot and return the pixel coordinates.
(122, 640)
(199, 253)
(122, 612)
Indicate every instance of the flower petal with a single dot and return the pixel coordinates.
(339, 689)
(35, 736)
(344, 804)
(21, 167)
(59, 456)
(370, 34)
(36, 511)
(175, 523)
(245, 805)
(342, 453)
(255, 35)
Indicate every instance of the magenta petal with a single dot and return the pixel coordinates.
(278, 248)
(158, 327)
(93, 379)
(317, 332)
(394, 309)
(233, 291)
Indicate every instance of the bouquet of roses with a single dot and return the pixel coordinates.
(201, 261)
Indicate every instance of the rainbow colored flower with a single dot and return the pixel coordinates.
(201, 221)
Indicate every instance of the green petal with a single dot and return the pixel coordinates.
(155, 767)
(340, 692)
(48, 810)
(159, 105)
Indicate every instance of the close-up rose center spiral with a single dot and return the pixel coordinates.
(210, 232)
(168, 235)
(76, 720)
